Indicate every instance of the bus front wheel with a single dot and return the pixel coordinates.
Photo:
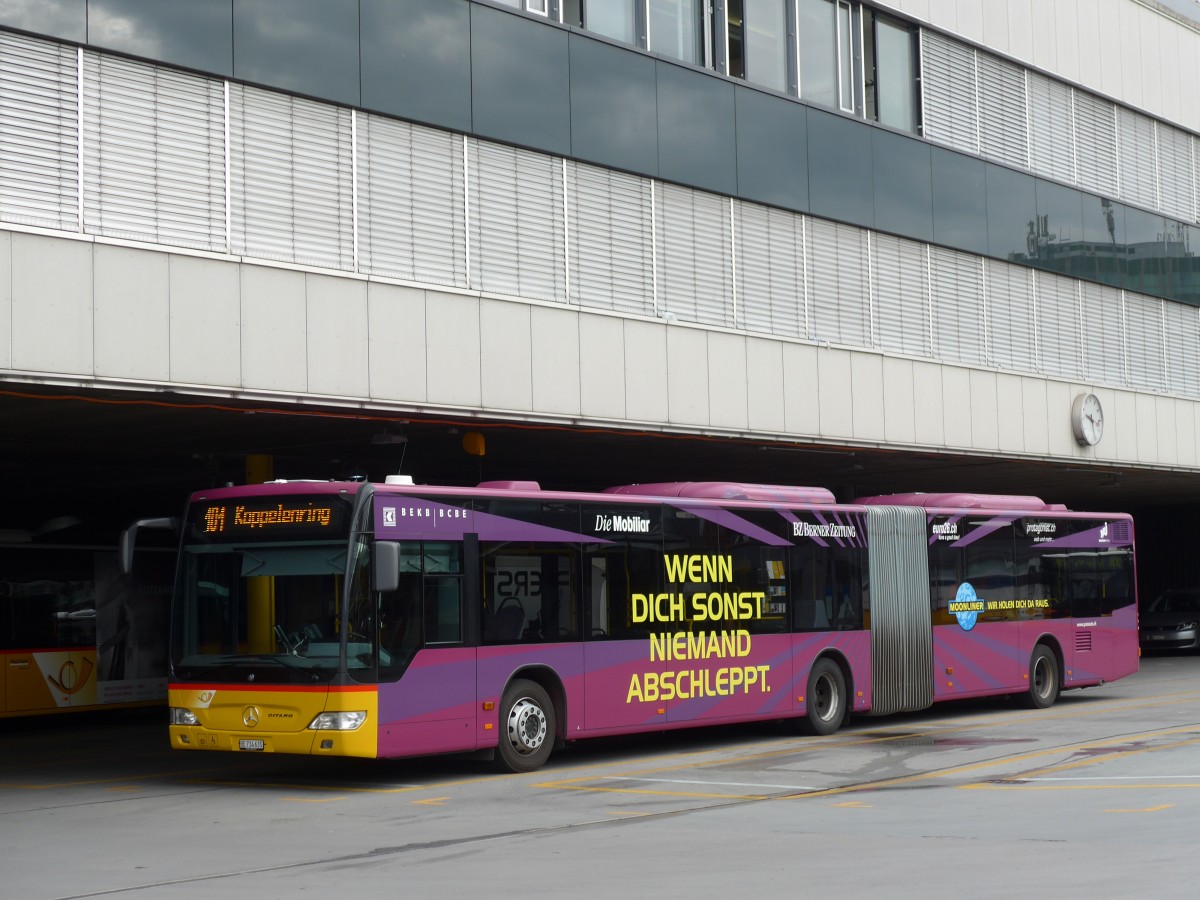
(826, 697)
(526, 727)
(1044, 683)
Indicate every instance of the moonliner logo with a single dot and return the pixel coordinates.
(823, 530)
(629, 524)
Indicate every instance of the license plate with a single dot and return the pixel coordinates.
(1155, 637)
(251, 744)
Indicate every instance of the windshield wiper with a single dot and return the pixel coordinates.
(279, 659)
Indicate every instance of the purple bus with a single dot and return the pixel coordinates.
(388, 620)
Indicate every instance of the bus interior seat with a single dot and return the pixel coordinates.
(506, 625)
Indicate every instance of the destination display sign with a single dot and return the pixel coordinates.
(301, 517)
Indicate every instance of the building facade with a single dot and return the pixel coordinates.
(920, 225)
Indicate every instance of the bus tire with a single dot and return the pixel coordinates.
(527, 727)
(1044, 680)
(825, 698)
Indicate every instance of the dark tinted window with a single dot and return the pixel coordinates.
(840, 168)
(520, 80)
(972, 572)
(66, 19)
(531, 588)
(193, 33)
(614, 115)
(623, 572)
(694, 147)
(1104, 237)
(1011, 214)
(414, 60)
(903, 185)
(306, 46)
(1188, 289)
(425, 609)
(1150, 260)
(1059, 227)
(960, 217)
(1057, 580)
(772, 149)
(828, 575)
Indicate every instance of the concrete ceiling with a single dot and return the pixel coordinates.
(110, 456)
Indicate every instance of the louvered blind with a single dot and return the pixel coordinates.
(154, 145)
(292, 178)
(1012, 329)
(1060, 338)
(838, 288)
(1178, 173)
(1052, 145)
(695, 279)
(1144, 334)
(1137, 158)
(39, 167)
(951, 109)
(1183, 337)
(1104, 346)
(411, 202)
(956, 295)
(611, 239)
(1003, 111)
(1096, 142)
(900, 285)
(770, 268)
(517, 222)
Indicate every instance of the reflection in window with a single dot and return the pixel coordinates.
(858, 61)
(818, 52)
(845, 58)
(677, 30)
(616, 19)
(765, 40)
(316, 54)
(895, 76)
(65, 19)
(193, 33)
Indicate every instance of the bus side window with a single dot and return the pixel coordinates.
(443, 610)
(400, 634)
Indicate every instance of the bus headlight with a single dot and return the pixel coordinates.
(338, 721)
(180, 716)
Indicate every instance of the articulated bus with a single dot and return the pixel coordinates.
(390, 620)
(78, 634)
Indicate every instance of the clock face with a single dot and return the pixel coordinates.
(1087, 420)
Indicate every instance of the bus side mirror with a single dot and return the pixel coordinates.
(385, 566)
(129, 538)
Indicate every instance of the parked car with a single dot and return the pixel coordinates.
(1172, 621)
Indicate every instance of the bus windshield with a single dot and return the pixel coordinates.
(262, 600)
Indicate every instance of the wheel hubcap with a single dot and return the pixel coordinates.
(825, 698)
(1041, 679)
(526, 726)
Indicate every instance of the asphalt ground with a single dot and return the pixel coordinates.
(1097, 797)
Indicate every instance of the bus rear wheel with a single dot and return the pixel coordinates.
(1044, 683)
(527, 727)
(826, 697)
